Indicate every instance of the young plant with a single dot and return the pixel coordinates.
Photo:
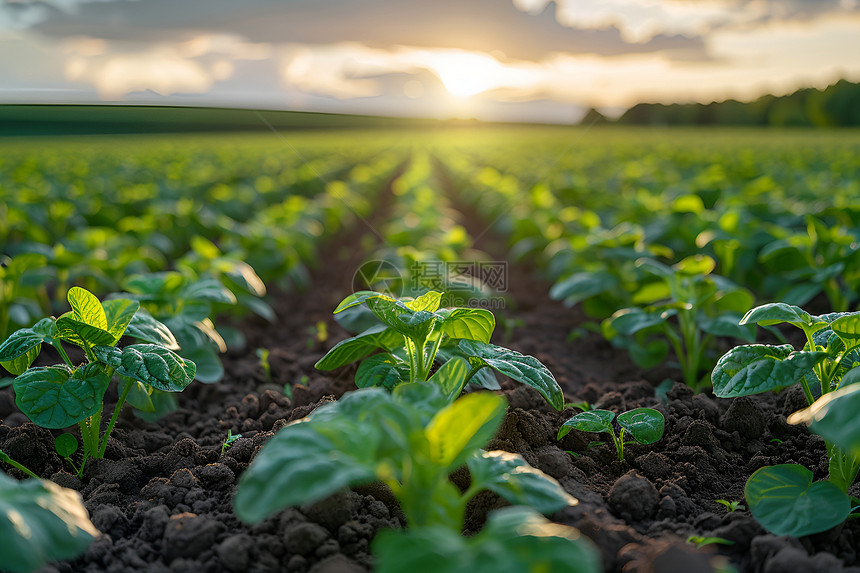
(645, 425)
(828, 369)
(414, 333)
(228, 441)
(731, 506)
(685, 310)
(66, 394)
(40, 522)
(412, 439)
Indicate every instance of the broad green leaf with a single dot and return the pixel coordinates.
(315, 457)
(483, 378)
(757, 368)
(208, 289)
(511, 477)
(785, 501)
(145, 328)
(595, 421)
(644, 424)
(358, 298)
(428, 302)
(40, 522)
(629, 321)
(20, 343)
(78, 332)
(655, 268)
(359, 346)
(163, 403)
(118, 313)
(834, 417)
(153, 365)
(54, 397)
(451, 377)
(464, 426)
(525, 369)
(514, 540)
(848, 329)
(580, 286)
(649, 353)
(779, 312)
(257, 305)
(381, 370)
(468, 323)
(66, 445)
(19, 365)
(87, 308)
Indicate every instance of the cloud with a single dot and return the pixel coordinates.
(492, 26)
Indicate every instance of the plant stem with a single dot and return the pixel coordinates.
(432, 357)
(59, 346)
(4, 457)
(619, 444)
(809, 397)
(113, 418)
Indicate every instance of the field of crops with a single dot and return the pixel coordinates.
(441, 349)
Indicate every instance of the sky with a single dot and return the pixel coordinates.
(519, 60)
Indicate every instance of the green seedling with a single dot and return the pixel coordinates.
(828, 369)
(41, 522)
(66, 394)
(412, 439)
(685, 311)
(66, 445)
(263, 355)
(700, 541)
(414, 333)
(4, 458)
(229, 441)
(731, 506)
(584, 406)
(644, 425)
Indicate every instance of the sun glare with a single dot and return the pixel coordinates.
(465, 74)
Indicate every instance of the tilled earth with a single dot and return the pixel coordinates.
(162, 494)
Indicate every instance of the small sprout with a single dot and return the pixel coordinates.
(322, 331)
(731, 506)
(572, 453)
(700, 541)
(584, 406)
(263, 355)
(229, 441)
(776, 440)
(644, 424)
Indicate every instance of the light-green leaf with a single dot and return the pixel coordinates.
(428, 302)
(118, 313)
(756, 368)
(87, 308)
(785, 501)
(595, 421)
(848, 329)
(54, 397)
(511, 477)
(153, 365)
(468, 323)
(40, 522)
(451, 377)
(525, 369)
(646, 425)
(70, 329)
(463, 427)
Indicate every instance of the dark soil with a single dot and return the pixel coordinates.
(162, 494)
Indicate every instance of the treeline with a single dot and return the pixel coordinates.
(836, 106)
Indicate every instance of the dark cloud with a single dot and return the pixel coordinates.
(483, 25)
